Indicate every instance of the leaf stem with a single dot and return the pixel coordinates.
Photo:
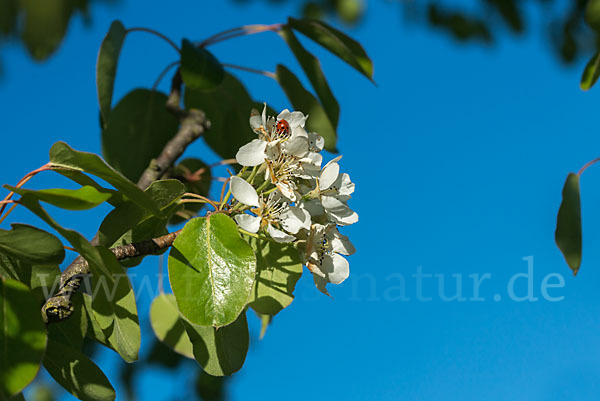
(239, 31)
(155, 33)
(253, 70)
(163, 73)
(588, 164)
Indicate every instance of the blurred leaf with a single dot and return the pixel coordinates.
(278, 267)
(592, 14)
(462, 27)
(44, 25)
(62, 155)
(510, 13)
(568, 223)
(336, 42)
(199, 68)
(22, 337)
(140, 124)
(350, 11)
(31, 244)
(590, 73)
(168, 326)
(163, 355)
(194, 183)
(71, 199)
(77, 373)
(210, 388)
(8, 16)
(312, 68)
(113, 303)
(106, 67)
(265, 321)
(304, 101)
(228, 108)
(222, 351)
(211, 270)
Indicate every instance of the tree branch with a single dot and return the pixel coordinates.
(193, 124)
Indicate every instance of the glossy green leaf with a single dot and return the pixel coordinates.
(106, 67)
(196, 176)
(168, 326)
(278, 267)
(44, 25)
(336, 42)
(84, 198)
(82, 179)
(228, 108)
(304, 101)
(211, 270)
(590, 73)
(77, 373)
(62, 155)
(114, 307)
(221, 351)
(31, 244)
(94, 330)
(22, 337)
(312, 68)
(568, 223)
(199, 68)
(139, 123)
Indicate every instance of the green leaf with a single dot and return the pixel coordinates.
(168, 326)
(113, 304)
(304, 101)
(228, 108)
(198, 184)
(312, 68)
(31, 244)
(106, 67)
(140, 124)
(22, 337)
(94, 330)
(336, 42)
(44, 281)
(84, 198)
(116, 197)
(592, 14)
(590, 73)
(77, 373)
(199, 68)
(568, 223)
(211, 270)
(221, 351)
(44, 25)
(278, 267)
(71, 332)
(62, 155)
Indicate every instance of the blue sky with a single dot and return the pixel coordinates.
(459, 155)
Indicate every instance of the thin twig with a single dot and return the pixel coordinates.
(240, 31)
(156, 33)
(268, 74)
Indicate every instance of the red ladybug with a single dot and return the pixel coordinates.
(282, 128)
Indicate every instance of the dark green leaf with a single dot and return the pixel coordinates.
(22, 337)
(44, 25)
(336, 42)
(304, 101)
(590, 73)
(312, 68)
(62, 155)
(168, 326)
(278, 267)
(106, 67)
(84, 198)
(199, 68)
(228, 108)
(211, 270)
(139, 124)
(592, 14)
(220, 351)
(31, 244)
(44, 281)
(568, 223)
(71, 331)
(14, 268)
(77, 373)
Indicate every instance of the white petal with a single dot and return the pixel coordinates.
(296, 119)
(341, 244)
(294, 218)
(344, 186)
(284, 115)
(248, 222)
(243, 191)
(279, 235)
(328, 175)
(252, 154)
(297, 146)
(316, 142)
(312, 206)
(287, 191)
(336, 268)
(338, 211)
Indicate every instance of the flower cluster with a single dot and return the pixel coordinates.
(289, 198)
